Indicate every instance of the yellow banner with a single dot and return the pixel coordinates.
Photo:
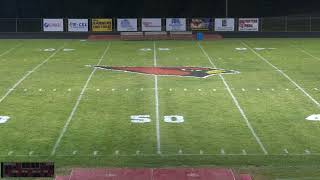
(101, 25)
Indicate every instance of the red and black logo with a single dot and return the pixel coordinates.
(199, 72)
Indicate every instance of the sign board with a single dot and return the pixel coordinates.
(224, 24)
(176, 24)
(53, 25)
(151, 24)
(101, 25)
(200, 24)
(127, 25)
(78, 25)
(248, 24)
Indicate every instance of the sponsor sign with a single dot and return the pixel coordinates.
(224, 24)
(53, 25)
(248, 24)
(151, 24)
(78, 25)
(176, 24)
(198, 72)
(101, 25)
(200, 24)
(127, 25)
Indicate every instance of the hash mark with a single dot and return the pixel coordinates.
(272, 89)
(10, 153)
(244, 152)
(316, 89)
(170, 89)
(201, 152)
(69, 89)
(243, 89)
(137, 152)
(307, 151)
(141, 89)
(180, 151)
(112, 89)
(25, 90)
(223, 152)
(74, 152)
(258, 89)
(214, 90)
(185, 89)
(286, 151)
(30, 153)
(127, 89)
(40, 90)
(54, 90)
(98, 89)
(117, 152)
(95, 153)
(199, 89)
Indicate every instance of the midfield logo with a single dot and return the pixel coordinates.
(198, 72)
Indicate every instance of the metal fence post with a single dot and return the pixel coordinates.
(310, 23)
(16, 24)
(286, 23)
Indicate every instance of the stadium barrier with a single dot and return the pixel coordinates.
(162, 35)
(131, 36)
(182, 35)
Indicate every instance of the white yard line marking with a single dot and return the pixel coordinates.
(28, 74)
(236, 102)
(284, 74)
(307, 53)
(10, 50)
(156, 93)
(77, 103)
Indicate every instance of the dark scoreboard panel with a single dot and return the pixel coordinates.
(27, 169)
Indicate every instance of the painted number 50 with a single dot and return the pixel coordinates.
(146, 119)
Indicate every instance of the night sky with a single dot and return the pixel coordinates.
(158, 8)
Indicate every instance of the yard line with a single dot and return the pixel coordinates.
(156, 93)
(307, 53)
(28, 74)
(9, 50)
(236, 102)
(78, 102)
(284, 74)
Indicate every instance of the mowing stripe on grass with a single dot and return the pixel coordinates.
(156, 100)
(284, 74)
(74, 109)
(236, 102)
(10, 50)
(28, 74)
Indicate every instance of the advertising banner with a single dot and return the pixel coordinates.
(78, 25)
(200, 24)
(248, 24)
(101, 25)
(53, 25)
(224, 24)
(176, 24)
(151, 24)
(127, 25)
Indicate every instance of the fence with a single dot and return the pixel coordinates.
(266, 24)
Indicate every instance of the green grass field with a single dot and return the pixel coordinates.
(65, 111)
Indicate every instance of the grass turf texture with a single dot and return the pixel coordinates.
(214, 131)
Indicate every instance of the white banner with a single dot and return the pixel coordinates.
(176, 24)
(53, 25)
(127, 25)
(151, 24)
(248, 24)
(78, 25)
(224, 24)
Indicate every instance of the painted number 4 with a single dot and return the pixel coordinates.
(146, 119)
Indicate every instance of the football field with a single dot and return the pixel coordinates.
(161, 103)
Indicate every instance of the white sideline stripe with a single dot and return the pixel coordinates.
(156, 100)
(9, 50)
(28, 74)
(77, 103)
(284, 74)
(236, 103)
